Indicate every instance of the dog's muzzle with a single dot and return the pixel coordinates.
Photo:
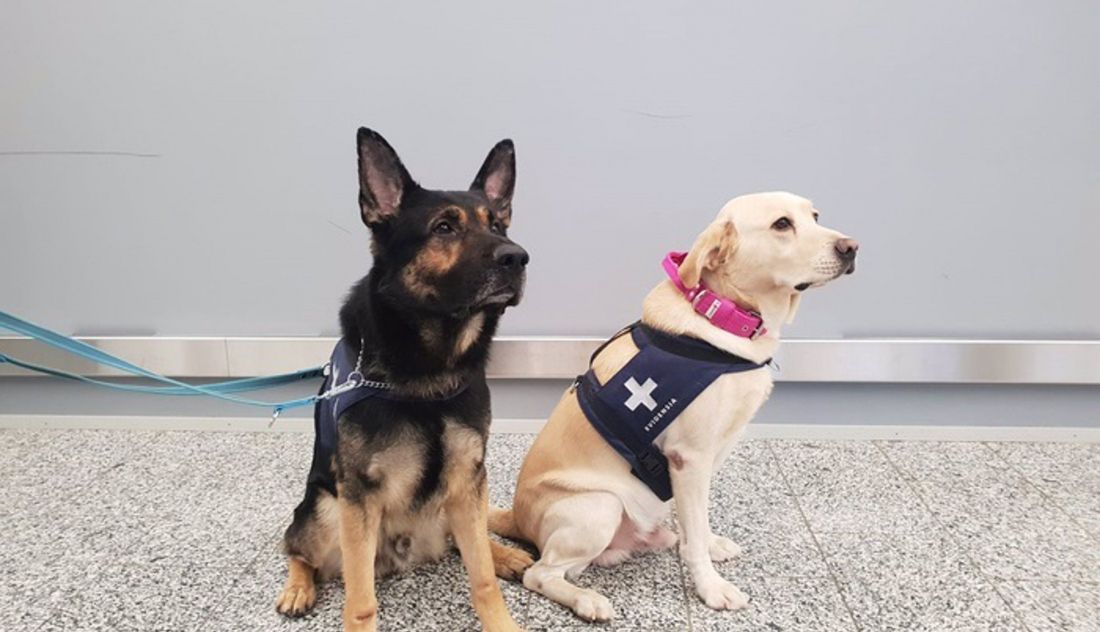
(846, 250)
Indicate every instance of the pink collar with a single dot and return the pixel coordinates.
(721, 312)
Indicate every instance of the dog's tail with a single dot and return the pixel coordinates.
(503, 523)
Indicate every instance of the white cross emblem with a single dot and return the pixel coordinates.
(640, 394)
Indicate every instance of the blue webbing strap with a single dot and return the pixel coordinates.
(220, 390)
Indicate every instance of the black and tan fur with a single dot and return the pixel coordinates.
(409, 474)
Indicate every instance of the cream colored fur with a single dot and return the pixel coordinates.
(576, 498)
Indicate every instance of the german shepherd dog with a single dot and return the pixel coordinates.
(408, 471)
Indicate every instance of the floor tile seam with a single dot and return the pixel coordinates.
(246, 568)
(526, 622)
(77, 587)
(43, 622)
(813, 538)
(688, 596)
(965, 550)
(1051, 499)
(100, 472)
(757, 576)
(1040, 580)
(866, 533)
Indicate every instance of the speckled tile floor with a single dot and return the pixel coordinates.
(180, 531)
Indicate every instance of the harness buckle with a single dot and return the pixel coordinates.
(696, 295)
(652, 463)
(700, 303)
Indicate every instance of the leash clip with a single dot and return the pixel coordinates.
(354, 380)
(275, 416)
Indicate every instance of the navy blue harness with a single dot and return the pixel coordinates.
(647, 395)
(341, 366)
(344, 387)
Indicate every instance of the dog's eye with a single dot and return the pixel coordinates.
(497, 228)
(443, 228)
(782, 223)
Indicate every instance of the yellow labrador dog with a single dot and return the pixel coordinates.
(578, 498)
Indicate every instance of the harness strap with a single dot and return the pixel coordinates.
(696, 349)
(344, 388)
(647, 462)
(613, 338)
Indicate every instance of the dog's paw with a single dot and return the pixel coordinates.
(722, 595)
(296, 599)
(662, 538)
(611, 557)
(510, 562)
(722, 548)
(593, 607)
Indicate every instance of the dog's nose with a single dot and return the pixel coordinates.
(511, 256)
(846, 248)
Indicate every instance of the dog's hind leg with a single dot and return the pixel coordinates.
(575, 531)
(300, 592)
(312, 548)
(629, 538)
(659, 539)
(509, 562)
(503, 523)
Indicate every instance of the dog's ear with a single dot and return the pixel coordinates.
(497, 178)
(711, 250)
(383, 180)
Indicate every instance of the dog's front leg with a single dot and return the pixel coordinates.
(360, 521)
(468, 514)
(691, 472)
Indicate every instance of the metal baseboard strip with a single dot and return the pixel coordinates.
(905, 360)
(783, 431)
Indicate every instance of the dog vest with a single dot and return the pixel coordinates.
(344, 387)
(632, 409)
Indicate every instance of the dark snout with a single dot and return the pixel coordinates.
(846, 251)
(507, 263)
(511, 257)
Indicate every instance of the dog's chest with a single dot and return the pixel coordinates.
(724, 408)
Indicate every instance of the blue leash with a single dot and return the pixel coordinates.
(220, 390)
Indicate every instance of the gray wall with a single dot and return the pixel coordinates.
(187, 168)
